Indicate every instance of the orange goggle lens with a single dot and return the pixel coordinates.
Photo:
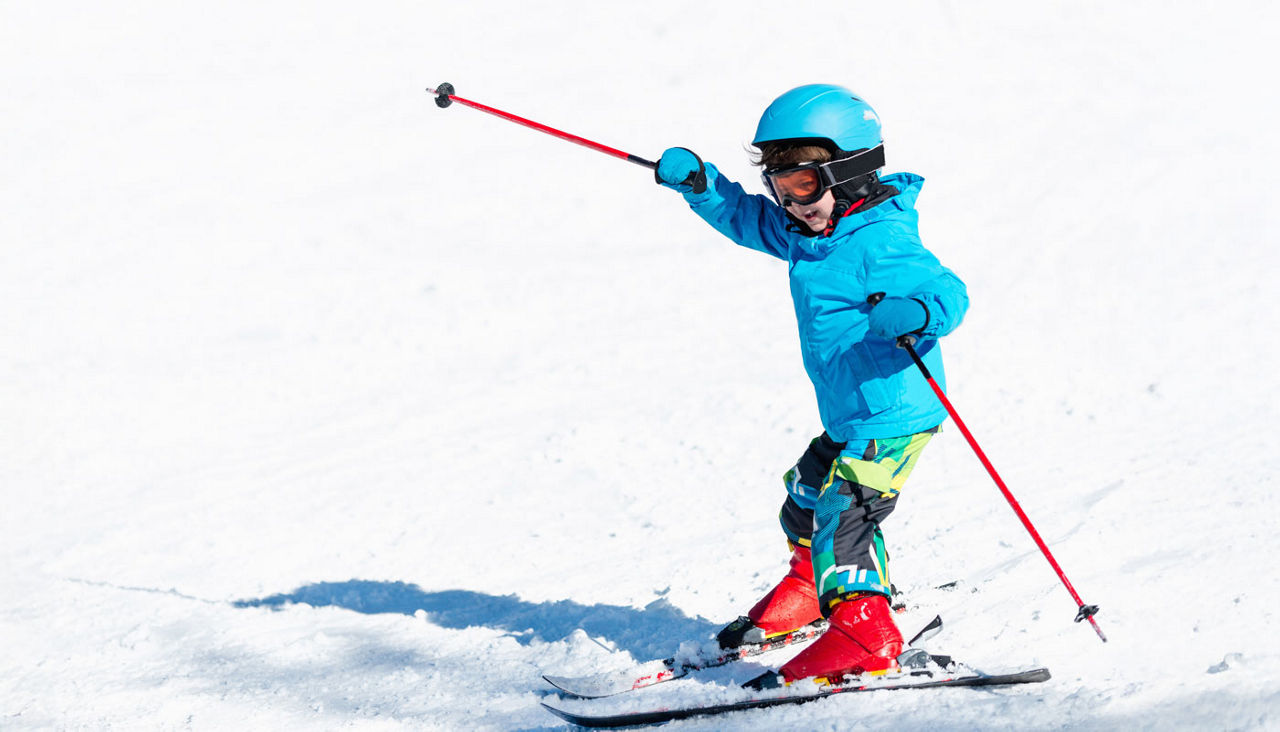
(801, 185)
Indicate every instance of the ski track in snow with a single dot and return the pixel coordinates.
(328, 408)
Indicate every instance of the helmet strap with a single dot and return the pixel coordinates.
(857, 189)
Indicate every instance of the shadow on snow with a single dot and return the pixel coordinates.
(651, 631)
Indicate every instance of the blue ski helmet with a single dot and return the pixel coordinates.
(820, 111)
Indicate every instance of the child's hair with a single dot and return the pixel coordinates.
(782, 154)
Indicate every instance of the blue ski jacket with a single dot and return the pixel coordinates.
(867, 387)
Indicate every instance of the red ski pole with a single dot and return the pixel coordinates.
(445, 97)
(1086, 612)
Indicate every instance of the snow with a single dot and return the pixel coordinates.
(324, 407)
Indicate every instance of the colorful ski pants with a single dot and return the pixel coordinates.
(837, 495)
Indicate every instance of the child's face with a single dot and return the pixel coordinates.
(815, 215)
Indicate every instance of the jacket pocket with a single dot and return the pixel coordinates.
(873, 385)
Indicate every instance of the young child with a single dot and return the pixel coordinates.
(845, 234)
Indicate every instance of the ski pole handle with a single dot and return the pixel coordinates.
(906, 340)
(445, 97)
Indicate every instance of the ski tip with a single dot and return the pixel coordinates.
(561, 683)
(1030, 676)
(584, 720)
(575, 688)
(566, 716)
(558, 682)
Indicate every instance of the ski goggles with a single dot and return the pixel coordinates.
(805, 183)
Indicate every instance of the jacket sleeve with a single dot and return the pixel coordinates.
(899, 266)
(753, 221)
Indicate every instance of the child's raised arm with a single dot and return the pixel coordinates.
(752, 221)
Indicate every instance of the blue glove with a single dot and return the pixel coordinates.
(898, 316)
(681, 169)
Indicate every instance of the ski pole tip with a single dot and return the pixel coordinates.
(1086, 613)
(1101, 636)
(442, 93)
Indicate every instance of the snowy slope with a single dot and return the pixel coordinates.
(324, 407)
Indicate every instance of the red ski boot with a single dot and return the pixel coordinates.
(862, 638)
(792, 604)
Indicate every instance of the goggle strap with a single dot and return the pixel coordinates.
(846, 169)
